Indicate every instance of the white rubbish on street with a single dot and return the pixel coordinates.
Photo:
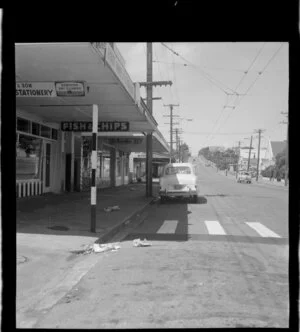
(96, 248)
(112, 208)
(105, 247)
(139, 243)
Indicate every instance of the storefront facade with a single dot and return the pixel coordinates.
(52, 159)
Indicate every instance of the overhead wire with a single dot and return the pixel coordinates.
(247, 71)
(213, 128)
(206, 75)
(250, 87)
(175, 81)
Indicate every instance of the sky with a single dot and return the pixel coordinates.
(204, 77)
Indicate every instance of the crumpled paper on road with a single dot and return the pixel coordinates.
(96, 248)
(140, 243)
(105, 247)
(112, 208)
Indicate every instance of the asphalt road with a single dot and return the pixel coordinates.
(222, 262)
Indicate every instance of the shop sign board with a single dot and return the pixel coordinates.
(103, 126)
(126, 140)
(50, 89)
(119, 69)
(35, 89)
(69, 89)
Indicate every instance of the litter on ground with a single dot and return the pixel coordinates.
(112, 208)
(140, 243)
(96, 248)
(105, 247)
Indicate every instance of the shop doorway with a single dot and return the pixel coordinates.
(68, 171)
(47, 179)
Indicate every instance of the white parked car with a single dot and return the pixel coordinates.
(244, 177)
(178, 180)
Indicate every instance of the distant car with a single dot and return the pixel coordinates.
(178, 180)
(244, 177)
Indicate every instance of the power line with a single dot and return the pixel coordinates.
(246, 72)
(206, 75)
(250, 87)
(222, 110)
(175, 81)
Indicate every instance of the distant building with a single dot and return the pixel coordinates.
(268, 152)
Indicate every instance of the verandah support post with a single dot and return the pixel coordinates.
(94, 167)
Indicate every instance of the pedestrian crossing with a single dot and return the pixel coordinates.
(214, 227)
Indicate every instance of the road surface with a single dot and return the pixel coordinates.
(222, 262)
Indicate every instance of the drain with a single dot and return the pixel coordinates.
(59, 228)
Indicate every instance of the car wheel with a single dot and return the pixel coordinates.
(162, 199)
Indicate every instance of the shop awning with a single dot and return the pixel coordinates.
(98, 77)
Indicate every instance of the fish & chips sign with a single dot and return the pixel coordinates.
(88, 126)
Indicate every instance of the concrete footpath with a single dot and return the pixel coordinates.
(51, 228)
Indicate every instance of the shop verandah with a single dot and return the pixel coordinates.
(51, 160)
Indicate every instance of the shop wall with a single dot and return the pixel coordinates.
(31, 154)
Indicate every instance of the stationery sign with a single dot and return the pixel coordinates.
(103, 126)
(69, 89)
(35, 89)
(50, 89)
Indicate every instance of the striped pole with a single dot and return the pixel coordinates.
(94, 166)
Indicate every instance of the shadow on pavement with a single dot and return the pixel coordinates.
(70, 213)
(167, 221)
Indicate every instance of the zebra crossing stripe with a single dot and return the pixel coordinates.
(168, 227)
(214, 227)
(262, 230)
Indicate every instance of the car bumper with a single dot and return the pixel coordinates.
(178, 193)
(245, 180)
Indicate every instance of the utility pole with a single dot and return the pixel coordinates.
(149, 89)
(149, 135)
(258, 152)
(171, 127)
(176, 131)
(249, 154)
(238, 162)
(287, 150)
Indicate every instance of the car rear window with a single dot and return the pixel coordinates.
(178, 170)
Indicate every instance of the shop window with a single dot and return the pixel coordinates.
(119, 166)
(106, 167)
(23, 125)
(36, 129)
(54, 134)
(28, 159)
(126, 166)
(45, 131)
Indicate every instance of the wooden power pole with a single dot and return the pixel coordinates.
(258, 152)
(249, 154)
(287, 150)
(149, 84)
(171, 127)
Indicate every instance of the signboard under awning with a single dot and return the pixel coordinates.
(69, 89)
(50, 89)
(35, 89)
(86, 126)
(126, 140)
